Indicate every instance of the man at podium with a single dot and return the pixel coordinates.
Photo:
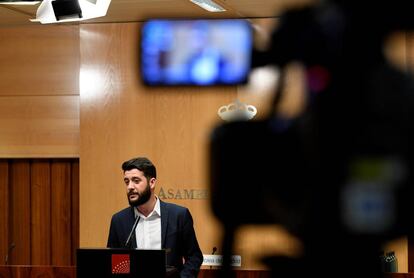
(149, 223)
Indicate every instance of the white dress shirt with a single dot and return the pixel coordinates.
(148, 231)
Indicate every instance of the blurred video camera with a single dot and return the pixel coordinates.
(346, 163)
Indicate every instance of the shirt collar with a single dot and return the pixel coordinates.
(157, 209)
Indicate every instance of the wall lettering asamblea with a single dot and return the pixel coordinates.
(181, 194)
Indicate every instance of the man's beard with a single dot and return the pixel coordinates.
(143, 197)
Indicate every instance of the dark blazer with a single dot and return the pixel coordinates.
(177, 236)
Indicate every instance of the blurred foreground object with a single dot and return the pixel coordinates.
(338, 176)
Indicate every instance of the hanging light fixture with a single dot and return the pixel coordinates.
(59, 11)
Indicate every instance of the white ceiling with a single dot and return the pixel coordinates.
(139, 10)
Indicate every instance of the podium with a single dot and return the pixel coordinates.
(125, 263)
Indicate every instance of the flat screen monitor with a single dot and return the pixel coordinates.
(200, 52)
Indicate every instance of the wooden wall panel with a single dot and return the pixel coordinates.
(4, 209)
(20, 211)
(41, 210)
(410, 253)
(39, 126)
(74, 209)
(61, 227)
(39, 60)
(39, 91)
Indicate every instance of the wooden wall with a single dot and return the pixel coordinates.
(39, 118)
(39, 209)
(39, 91)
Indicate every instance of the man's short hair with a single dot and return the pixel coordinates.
(143, 164)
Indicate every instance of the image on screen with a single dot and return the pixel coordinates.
(196, 52)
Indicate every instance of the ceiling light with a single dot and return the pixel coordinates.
(59, 11)
(209, 5)
(15, 2)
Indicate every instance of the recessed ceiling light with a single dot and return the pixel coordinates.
(209, 5)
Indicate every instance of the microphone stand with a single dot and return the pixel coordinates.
(6, 259)
(128, 241)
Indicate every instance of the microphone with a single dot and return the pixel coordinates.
(128, 241)
(6, 258)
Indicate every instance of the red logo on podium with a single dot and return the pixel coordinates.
(120, 264)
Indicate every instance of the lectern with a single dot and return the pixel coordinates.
(114, 262)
